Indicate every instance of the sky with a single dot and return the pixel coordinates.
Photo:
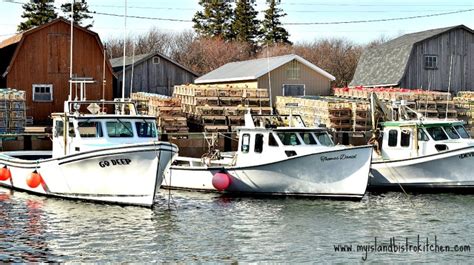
(298, 11)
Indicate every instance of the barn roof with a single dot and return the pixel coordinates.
(385, 64)
(117, 63)
(19, 38)
(253, 69)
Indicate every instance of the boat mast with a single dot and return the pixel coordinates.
(70, 50)
(124, 54)
(449, 87)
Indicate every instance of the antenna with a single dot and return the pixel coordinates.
(124, 52)
(449, 87)
(269, 83)
(133, 65)
(103, 74)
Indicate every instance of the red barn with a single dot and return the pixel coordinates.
(37, 62)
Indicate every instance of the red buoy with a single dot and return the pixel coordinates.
(5, 173)
(34, 180)
(221, 181)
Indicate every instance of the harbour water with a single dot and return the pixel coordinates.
(201, 227)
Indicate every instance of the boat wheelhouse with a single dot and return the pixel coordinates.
(279, 156)
(96, 156)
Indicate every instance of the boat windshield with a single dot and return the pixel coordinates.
(437, 133)
(146, 129)
(462, 132)
(308, 138)
(119, 129)
(90, 129)
(289, 138)
(451, 132)
(324, 138)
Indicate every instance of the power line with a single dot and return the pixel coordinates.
(377, 20)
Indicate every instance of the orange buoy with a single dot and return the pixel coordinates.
(221, 181)
(5, 173)
(34, 179)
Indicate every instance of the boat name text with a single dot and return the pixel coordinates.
(341, 157)
(462, 156)
(115, 162)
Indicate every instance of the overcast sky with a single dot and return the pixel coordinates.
(299, 11)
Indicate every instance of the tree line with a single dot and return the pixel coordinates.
(222, 33)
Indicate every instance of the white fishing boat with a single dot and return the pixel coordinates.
(423, 155)
(273, 159)
(111, 158)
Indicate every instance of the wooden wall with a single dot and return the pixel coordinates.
(457, 43)
(43, 58)
(154, 78)
(315, 83)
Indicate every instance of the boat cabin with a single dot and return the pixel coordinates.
(78, 132)
(273, 141)
(405, 139)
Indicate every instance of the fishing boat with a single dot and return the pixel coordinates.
(277, 155)
(96, 156)
(422, 154)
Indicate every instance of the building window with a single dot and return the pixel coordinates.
(42, 92)
(293, 70)
(431, 62)
(156, 60)
(293, 90)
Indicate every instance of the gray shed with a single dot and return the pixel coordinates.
(290, 75)
(152, 72)
(425, 59)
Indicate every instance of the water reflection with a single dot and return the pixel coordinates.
(200, 227)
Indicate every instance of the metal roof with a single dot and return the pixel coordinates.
(253, 69)
(117, 63)
(385, 64)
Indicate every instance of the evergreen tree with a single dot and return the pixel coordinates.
(37, 13)
(245, 24)
(214, 20)
(272, 30)
(81, 12)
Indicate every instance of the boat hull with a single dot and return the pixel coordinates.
(445, 171)
(340, 173)
(126, 175)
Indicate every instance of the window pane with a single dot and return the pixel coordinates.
(437, 133)
(308, 138)
(462, 131)
(271, 140)
(119, 129)
(258, 143)
(289, 138)
(392, 138)
(451, 132)
(405, 138)
(90, 129)
(422, 135)
(146, 129)
(245, 143)
(324, 138)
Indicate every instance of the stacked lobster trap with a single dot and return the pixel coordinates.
(12, 111)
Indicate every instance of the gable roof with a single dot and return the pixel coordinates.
(253, 69)
(385, 64)
(20, 37)
(117, 63)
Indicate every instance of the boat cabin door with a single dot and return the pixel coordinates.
(399, 143)
(63, 145)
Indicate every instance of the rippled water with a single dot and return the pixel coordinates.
(210, 228)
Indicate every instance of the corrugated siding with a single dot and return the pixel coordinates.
(455, 43)
(155, 78)
(43, 58)
(315, 83)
